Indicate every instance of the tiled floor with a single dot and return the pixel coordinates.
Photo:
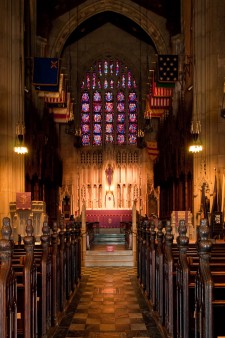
(108, 304)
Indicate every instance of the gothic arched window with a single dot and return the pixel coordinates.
(109, 107)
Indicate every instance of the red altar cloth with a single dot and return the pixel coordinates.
(109, 218)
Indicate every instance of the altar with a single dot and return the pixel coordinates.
(108, 218)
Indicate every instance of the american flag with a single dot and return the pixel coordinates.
(65, 114)
(167, 68)
(158, 100)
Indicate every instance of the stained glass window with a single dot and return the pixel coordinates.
(109, 104)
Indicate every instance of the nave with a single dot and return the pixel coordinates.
(108, 304)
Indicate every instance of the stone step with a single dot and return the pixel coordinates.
(108, 263)
(114, 258)
(109, 238)
(92, 253)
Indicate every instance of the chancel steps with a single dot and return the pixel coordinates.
(109, 239)
(109, 256)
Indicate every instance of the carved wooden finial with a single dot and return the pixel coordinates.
(182, 239)
(6, 245)
(169, 236)
(29, 239)
(160, 232)
(6, 228)
(204, 244)
(46, 234)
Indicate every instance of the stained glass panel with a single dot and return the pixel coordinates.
(109, 138)
(129, 80)
(100, 68)
(120, 96)
(111, 67)
(133, 118)
(97, 128)
(105, 84)
(97, 107)
(93, 80)
(133, 128)
(88, 81)
(85, 97)
(97, 118)
(109, 107)
(85, 107)
(120, 118)
(123, 81)
(105, 67)
(97, 140)
(120, 107)
(109, 96)
(85, 128)
(107, 88)
(132, 107)
(120, 139)
(85, 118)
(109, 128)
(132, 97)
(117, 68)
(121, 128)
(109, 117)
(132, 139)
(97, 97)
(86, 140)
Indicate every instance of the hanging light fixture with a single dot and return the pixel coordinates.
(196, 145)
(20, 147)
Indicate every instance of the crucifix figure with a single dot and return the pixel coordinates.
(109, 174)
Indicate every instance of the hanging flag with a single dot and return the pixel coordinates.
(167, 68)
(58, 98)
(152, 150)
(63, 115)
(46, 73)
(159, 99)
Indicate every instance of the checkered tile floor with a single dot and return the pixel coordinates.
(108, 304)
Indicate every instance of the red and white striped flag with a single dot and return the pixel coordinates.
(152, 149)
(63, 115)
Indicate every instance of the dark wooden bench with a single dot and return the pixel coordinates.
(8, 293)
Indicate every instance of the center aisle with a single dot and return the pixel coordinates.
(108, 304)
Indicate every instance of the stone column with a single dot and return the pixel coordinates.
(11, 100)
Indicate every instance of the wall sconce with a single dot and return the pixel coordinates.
(20, 148)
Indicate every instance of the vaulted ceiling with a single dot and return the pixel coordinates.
(51, 9)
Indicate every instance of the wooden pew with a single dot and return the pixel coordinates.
(169, 282)
(152, 254)
(8, 294)
(43, 263)
(26, 274)
(159, 275)
(55, 304)
(209, 291)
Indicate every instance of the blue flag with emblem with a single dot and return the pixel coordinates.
(46, 74)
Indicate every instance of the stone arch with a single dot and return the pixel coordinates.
(151, 23)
